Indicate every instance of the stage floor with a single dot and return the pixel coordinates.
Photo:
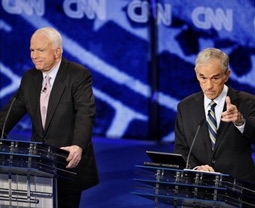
(116, 161)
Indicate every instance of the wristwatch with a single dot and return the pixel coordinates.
(241, 122)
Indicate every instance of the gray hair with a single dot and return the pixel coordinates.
(213, 53)
(53, 35)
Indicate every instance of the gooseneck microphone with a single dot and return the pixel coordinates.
(193, 142)
(7, 116)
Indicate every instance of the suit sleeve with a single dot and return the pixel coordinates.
(85, 109)
(185, 128)
(247, 108)
(180, 141)
(16, 110)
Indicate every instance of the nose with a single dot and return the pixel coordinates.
(209, 84)
(34, 54)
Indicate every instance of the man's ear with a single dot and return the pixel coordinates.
(58, 52)
(227, 74)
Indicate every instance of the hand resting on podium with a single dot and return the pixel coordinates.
(74, 157)
(203, 168)
(206, 168)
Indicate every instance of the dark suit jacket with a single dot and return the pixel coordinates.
(70, 115)
(233, 153)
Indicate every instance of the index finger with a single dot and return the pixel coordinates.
(228, 102)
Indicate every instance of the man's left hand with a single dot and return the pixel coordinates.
(74, 157)
(231, 114)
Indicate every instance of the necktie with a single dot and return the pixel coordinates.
(212, 123)
(44, 99)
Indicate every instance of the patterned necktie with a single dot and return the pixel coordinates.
(44, 99)
(212, 123)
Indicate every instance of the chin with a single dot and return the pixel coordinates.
(39, 67)
(211, 96)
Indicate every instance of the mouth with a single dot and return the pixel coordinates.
(38, 65)
(209, 92)
(37, 62)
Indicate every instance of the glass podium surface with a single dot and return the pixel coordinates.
(189, 188)
(28, 173)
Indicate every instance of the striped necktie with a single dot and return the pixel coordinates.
(44, 99)
(212, 123)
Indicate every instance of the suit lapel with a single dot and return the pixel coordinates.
(203, 141)
(56, 92)
(223, 128)
(34, 94)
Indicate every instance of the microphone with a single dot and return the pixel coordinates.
(44, 89)
(193, 141)
(7, 116)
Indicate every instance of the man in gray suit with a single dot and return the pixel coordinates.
(70, 111)
(223, 144)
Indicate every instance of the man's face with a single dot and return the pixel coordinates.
(211, 78)
(43, 55)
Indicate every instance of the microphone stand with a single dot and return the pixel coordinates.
(6, 117)
(193, 142)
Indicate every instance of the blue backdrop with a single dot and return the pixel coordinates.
(141, 53)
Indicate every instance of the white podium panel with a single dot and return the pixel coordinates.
(26, 191)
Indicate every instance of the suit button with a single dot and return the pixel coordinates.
(213, 161)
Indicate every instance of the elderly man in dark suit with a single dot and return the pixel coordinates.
(224, 140)
(67, 120)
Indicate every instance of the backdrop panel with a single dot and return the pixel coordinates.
(114, 40)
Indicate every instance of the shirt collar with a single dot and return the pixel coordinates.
(53, 72)
(218, 100)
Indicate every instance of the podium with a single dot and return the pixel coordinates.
(29, 172)
(189, 188)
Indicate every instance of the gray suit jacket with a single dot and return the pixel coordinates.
(70, 115)
(233, 153)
